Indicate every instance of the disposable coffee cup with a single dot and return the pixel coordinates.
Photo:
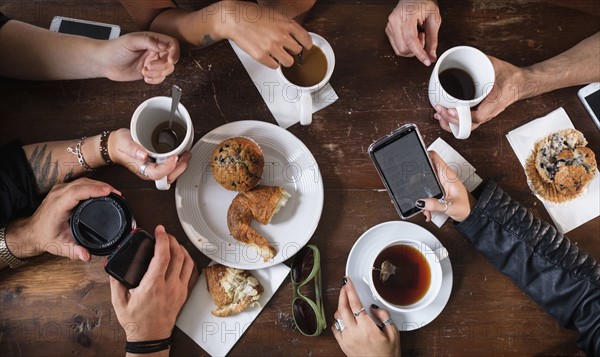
(151, 114)
(101, 223)
(301, 96)
(415, 264)
(473, 74)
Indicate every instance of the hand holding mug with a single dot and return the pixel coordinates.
(146, 124)
(462, 78)
(509, 87)
(126, 152)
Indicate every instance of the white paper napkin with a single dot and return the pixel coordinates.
(217, 335)
(281, 99)
(572, 214)
(464, 170)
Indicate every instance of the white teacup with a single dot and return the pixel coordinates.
(147, 117)
(479, 67)
(303, 96)
(433, 260)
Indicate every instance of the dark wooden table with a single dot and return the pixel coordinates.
(56, 307)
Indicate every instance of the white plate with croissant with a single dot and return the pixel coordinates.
(203, 204)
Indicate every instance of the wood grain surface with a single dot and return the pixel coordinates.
(56, 307)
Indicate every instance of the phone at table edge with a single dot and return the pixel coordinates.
(92, 29)
(589, 96)
(391, 139)
(130, 261)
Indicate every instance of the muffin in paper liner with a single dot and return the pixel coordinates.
(551, 191)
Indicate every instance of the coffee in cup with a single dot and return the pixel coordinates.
(462, 77)
(161, 147)
(303, 81)
(406, 275)
(309, 71)
(146, 122)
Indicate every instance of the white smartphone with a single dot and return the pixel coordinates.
(590, 96)
(97, 30)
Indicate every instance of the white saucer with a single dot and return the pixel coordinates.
(364, 251)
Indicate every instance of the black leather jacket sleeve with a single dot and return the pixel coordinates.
(563, 279)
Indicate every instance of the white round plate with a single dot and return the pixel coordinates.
(202, 203)
(370, 244)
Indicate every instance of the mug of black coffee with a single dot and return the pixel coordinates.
(462, 77)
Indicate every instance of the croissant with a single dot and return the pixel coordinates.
(232, 290)
(260, 203)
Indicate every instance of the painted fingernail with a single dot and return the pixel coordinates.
(420, 204)
(344, 281)
(374, 307)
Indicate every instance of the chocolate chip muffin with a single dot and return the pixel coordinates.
(560, 166)
(237, 163)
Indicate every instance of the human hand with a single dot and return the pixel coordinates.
(48, 230)
(148, 55)
(270, 39)
(362, 337)
(149, 311)
(126, 152)
(510, 86)
(459, 200)
(403, 29)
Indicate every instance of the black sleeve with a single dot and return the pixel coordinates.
(3, 19)
(563, 279)
(18, 196)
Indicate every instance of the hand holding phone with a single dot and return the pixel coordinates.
(405, 169)
(130, 261)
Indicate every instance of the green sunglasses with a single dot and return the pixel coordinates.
(309, 315)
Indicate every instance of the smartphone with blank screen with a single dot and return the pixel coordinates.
(405, 169)
(92, 29)
(130, 261)
(590, 97)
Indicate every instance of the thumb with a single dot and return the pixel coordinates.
(383, 315)
(118, 293)
(431, 204)
(133, 151)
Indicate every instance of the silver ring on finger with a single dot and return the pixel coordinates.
(358, 312)
(445, 203)
(339, 325)
(388, 322)
(143, 169)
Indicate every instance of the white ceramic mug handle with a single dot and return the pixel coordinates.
(162, 184)
(306, 106)
(463, 130)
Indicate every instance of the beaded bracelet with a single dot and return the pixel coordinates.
(143, 347)
(77, 152)
(104, 146)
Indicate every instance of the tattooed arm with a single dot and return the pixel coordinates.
(268, 31)
(53, 162)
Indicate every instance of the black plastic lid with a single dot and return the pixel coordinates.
(100, 224)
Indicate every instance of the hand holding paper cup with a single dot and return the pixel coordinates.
(149, 119)
(462, 77)
(307, 76)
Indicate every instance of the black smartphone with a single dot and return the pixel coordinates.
(130, 261)
(405, 169)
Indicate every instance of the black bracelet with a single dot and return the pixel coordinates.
(104, 146)
(144, 347)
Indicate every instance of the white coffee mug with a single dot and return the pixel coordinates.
(303, 96)
(480, 69)
(147, 117)
(433, 258)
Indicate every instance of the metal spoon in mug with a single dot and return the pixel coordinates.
(167, 136)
